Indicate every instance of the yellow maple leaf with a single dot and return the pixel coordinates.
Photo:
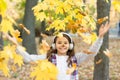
(4, 63)
(16, 34)
(72, 26)
(116, 4)
(60, 8)
(18, 59)
(9, 50)
(88, 38)
(4, 68)
(3, 7)
(6, 26)
(44, 47)
(57, 25)
(44, 68)
(51, 3)
(40, 16)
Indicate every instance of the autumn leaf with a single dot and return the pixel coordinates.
(6, 25)
(4, 63)
(18, 59)
(101, 20)
(60, 8)
(16, 34)
(57, 25)
(107, 53)
(72, 69)
(44, 68)
(3, 7)
(116, 4)
(24, 28)
(11, 53)
(9, 50)
(82, 30)
(74, 65)
(4, 68)
(72, 26)
(88, 38)
(44, 47)
(99, 61)
(88, 52)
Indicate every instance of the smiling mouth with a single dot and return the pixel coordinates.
(63, 48)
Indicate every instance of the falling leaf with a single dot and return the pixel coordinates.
(107, 53)
(72, 69)
(88, 52)
(4, 63)
(44, 47)
(82, 30)
(18, 59)
(43, 69)
(74, 65)
(16, 34)
(23, 27)
(88, 38)
(99, 61)
(102, 19)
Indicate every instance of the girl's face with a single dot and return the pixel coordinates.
(62, 45)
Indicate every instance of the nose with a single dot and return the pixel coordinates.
(63, 45)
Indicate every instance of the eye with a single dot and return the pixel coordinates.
(65, 42)
(59, 42)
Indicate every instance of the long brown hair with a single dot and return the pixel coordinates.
(70, 53)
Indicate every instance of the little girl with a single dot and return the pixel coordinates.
(62, 53)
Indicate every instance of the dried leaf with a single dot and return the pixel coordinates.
(99, 61)
(88, 52)
(102, 19)
(23, 27)
(108, 53)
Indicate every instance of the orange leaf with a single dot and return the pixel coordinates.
(74, 65)
(23, 27)
(88, 52)
(99, 61)
(102, 19)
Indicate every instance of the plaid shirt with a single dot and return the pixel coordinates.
(74, 75)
